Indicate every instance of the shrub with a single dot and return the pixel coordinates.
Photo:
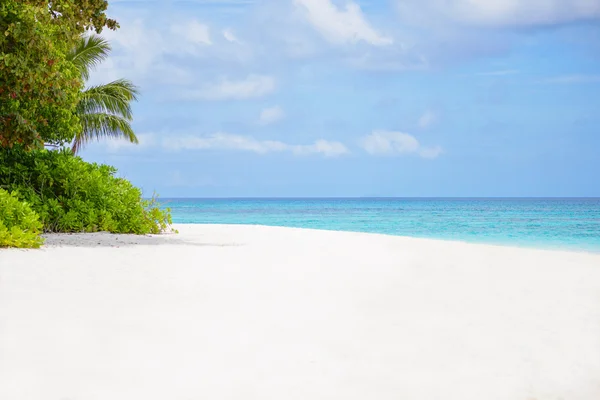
(71, 195)
(19, 224)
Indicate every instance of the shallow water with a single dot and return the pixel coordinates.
(572, 224)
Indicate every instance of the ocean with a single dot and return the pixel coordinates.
(566, 224)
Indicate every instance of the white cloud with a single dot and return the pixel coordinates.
(321, 146)
(503, 12)
(230, 36)
(145, 140)
(394, 143)
(271, 115)
(141, 52)
(151, 54)
(252, 87)
(427, 119)
(382, 142)
(193, 32)
(226, 141)
(341, 26)
(136, 50)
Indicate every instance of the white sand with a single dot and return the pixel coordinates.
(243, 313)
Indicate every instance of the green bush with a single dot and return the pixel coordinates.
(19, 224)
(71, 195)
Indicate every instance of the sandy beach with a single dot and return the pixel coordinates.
(249, 312)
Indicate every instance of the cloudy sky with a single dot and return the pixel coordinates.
(267, 98)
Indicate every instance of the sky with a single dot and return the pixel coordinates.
(355, 98)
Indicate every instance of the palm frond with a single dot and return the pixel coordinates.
(101, 125)
(90, 51)
(114, 98)
(104, 110)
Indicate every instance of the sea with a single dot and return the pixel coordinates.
(560, 224)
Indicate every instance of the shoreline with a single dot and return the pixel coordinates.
(418, 238)
(242, 312)
(87, 239)
(570, 224)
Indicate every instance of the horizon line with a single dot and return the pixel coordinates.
(387, 197)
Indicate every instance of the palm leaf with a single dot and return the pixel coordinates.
(90, 51)
(101, 125)
(104, 110)
(114, 98)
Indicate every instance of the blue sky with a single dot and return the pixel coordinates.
(245, 98)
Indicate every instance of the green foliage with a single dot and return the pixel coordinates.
(71, 195)
(19, 224)
(88, 53)
(77, 15)
(104, 110)
(38, 86)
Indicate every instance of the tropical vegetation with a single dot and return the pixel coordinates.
(47, 50)
(103, 110)
(19, 224)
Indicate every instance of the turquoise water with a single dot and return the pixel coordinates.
(572, 224)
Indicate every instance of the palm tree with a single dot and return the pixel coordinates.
(104, 110)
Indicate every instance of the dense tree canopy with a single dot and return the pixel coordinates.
(39, 86)
(77, 15)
